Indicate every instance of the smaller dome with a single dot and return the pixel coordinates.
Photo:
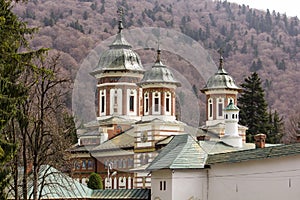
(159, 73)
(221, 80)
(231, 106)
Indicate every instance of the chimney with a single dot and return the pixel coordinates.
(260, 140)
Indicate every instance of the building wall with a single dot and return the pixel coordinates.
(158, 179)
(276, 178)
(193, 181)
(179, 184)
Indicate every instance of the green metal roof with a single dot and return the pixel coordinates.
(181, 153)
(231, 106)
(56, 185)
(221, 80)
(255, 154)
(122, 194)
(119, 57)
(123, 140)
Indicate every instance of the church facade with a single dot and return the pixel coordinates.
(136, 116)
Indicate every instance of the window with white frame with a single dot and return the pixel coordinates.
(230, 99)
(210, 108)
(102, 103)
(168, 103)
(156, 103)
(220, 107)
(146, 103)
(132, 101)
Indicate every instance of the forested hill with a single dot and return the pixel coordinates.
(253, 40)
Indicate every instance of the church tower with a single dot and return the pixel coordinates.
(159, 87)
(220, 90)
(158, 119)
(117, 73)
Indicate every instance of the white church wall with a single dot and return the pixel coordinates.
(189, 184)
(276, 178)
(161, 185)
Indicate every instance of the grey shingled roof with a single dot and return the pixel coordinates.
(182, 152)
(255, 154)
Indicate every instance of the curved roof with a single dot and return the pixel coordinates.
(159, 73)
(119, 57)
(221, 80)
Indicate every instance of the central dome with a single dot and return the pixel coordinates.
(119, 57)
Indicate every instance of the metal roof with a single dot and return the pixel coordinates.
(138, 194)
(255, 154)
(123, 140)
(56, 185)
(159, 73)
(119, 57)
(220, 80)
(182, 152)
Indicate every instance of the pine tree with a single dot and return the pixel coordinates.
(253, 107)
(13, 34)
(276, 128)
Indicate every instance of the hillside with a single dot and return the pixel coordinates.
(266, 42)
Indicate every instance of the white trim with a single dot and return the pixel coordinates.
(210, 109)
(118, 74)
(146, 107)
(114, 84)
(115, 94)
(170, 103)
(230, 98)
(154, 96)
(132, 92)
(218, 109)
(222, 91)
(158, 85)
(102, 93)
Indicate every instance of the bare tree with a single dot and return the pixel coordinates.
(42, 128)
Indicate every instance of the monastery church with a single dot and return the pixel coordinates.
(136, 116)
(138, 142)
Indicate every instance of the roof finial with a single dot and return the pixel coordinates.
(221, 51)
(158, 50)
(121, 14)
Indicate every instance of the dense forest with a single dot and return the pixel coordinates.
(267, 42)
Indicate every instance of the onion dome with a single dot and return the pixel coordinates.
(231, 107)
(159, 73)
(119, 56)
(221, 80)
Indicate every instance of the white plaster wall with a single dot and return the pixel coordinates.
(156, 177)
(260, 180)
(189, 184)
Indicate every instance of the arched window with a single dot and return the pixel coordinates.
(146, 103)
(132, 102)
(102, 102)
(220, 108)
(210, 108)
(156, 103)
(168, 103)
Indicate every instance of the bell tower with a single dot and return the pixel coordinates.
(118, 72)
(220, 90)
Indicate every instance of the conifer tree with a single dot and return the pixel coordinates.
(276, 128)
(95, 181)
(13, 34)
(253, 107)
